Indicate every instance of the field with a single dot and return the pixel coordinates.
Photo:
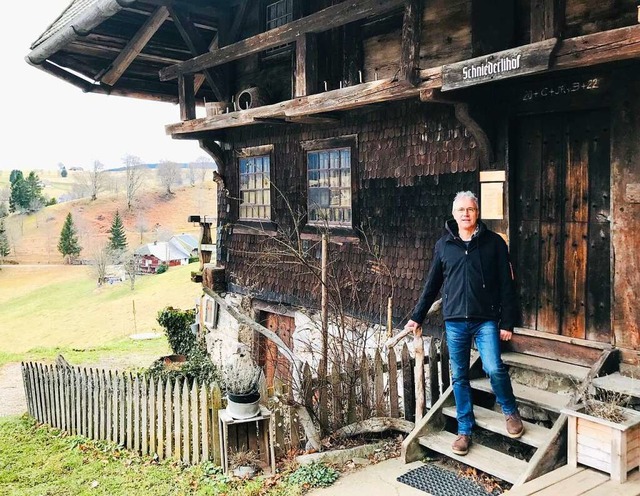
(45, 310)
(46, 307)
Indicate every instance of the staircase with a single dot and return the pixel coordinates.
(543, 385)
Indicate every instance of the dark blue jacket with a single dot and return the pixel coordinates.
(477, 282)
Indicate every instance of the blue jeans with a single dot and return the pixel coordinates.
(460, 334)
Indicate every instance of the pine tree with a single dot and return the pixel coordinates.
(117, 238)
(4, 241)
(68, 244)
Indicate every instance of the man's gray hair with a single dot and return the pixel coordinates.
(464, 194)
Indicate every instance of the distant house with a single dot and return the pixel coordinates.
(170, 253)
(187, 241)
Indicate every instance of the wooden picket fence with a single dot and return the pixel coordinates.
(178, 419)
(380, 387)
(168, 418)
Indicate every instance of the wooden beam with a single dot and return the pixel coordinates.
(410, 47)
(598, 48)
(88, 87)
(216, 153)
(197, 46)
(306, 72)
(135, 46)
(323, 20)
(187, 97)
(583, 51)
(329, 101)
(547, 19)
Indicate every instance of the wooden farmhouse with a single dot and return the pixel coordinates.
(342, 131)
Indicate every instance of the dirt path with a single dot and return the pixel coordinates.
(12, 399)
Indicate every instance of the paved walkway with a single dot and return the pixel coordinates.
(373, 480)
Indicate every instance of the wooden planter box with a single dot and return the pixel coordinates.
(608, 446)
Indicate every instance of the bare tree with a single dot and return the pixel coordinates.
(142, 226)
(96, 179)
(130, 265)
(135, 174)
(168, 174)
(203, 164)
(193, 173)
(101, 260)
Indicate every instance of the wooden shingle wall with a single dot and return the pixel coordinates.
(411, 159)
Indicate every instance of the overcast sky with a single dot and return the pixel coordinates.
(46, 121)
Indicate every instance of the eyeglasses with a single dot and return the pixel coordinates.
(468, 210)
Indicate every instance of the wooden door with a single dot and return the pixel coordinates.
(275, 365)
(561, 229)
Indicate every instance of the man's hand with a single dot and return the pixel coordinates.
(412, 326)
(505, 335)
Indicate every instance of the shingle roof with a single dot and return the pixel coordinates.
(73, 10)
(163, 251)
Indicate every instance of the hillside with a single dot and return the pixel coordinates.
(34, 237)
(60, 306)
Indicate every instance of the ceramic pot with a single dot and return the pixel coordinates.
(243, 406)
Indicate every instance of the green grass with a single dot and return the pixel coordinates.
(56, 309)
(38, 460)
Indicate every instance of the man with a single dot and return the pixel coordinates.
(478, 302)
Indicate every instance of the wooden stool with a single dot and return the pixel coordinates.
(254, 434)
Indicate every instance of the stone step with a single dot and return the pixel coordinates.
(576, 373)
(528, 395)
(486, 459)
(534, 435)
(618, 383)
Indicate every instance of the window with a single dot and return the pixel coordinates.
(329, 183)
(210, 312)
(255, 188)
(278, 14)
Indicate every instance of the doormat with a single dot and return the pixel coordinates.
(441, 482)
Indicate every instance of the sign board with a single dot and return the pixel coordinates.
(527, 59)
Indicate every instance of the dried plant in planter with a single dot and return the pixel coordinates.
(244, 458)
(241, 375)
(607, 405)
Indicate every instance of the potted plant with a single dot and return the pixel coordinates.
(603, 434)
(244, 463)
(241, 380)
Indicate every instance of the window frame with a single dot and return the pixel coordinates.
(282, 51)
(341, 142)
(248, 153)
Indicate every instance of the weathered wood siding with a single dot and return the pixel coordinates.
(625, 179)
(581, 17)
(411, 159)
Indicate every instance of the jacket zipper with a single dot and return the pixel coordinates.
(466, 286)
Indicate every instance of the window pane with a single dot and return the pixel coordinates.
(255, 187)
(329, 186)
(334, 178)
(312, 161)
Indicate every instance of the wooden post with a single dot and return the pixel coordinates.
(444, 363)
(390, 317)
(408, 385)
(186, 95)
(434, 383)
(378, 386)
(418, 346)
(393, 383)
(324, 317)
